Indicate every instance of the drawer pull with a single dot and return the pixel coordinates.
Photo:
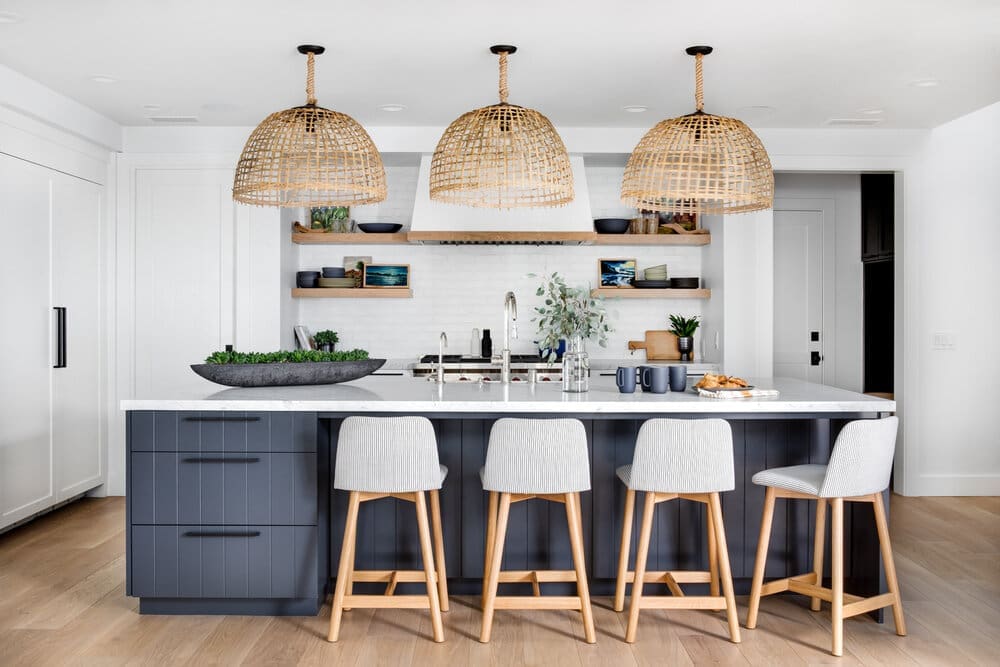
(222, 419)
(222, 533)
(222, 459)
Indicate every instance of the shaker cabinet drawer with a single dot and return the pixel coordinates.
(186, 431)
(223, 562)
(222, 488)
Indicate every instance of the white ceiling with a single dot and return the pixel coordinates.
(232, 62)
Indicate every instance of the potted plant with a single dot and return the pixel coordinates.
(684, 328)
(570, 314)
(326, 340)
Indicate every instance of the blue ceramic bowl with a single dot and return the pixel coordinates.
(380, 227)
(307, 279)
(333, 272)
(611, 225)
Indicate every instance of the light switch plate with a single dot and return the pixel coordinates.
(944, 340)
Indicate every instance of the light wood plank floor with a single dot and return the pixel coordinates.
(62, 602)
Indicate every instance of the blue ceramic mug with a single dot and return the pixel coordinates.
(641, 372)
(625, 379)
(657, 377)
(678, 378)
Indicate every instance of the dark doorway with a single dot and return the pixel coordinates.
(878, 256)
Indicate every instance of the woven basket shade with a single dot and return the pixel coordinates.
(309, 156)
(699, 163)
(501, 156)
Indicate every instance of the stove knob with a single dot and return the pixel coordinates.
(487, 380)
(546, 379)
(463, 379)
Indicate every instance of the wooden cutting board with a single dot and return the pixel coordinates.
(659, 346)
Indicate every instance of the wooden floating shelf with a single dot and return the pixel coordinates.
(637, 293)
(653, 239)
(355, 238)
(488, 238)
(352, 292)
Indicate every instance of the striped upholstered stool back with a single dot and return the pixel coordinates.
(683, 456)
(537, 456)
(861, 461)
(387, 454)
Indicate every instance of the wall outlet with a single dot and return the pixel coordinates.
(944, 340)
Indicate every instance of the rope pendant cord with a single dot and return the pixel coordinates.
(311, 79)
(504, 89)
(699, 95)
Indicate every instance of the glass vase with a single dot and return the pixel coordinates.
(576, 366)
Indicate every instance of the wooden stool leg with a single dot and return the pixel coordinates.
(349, 586)
(725, 573)
(713, 554)
(758, 569)
(493, 576)
(491, 531)
(442, 571)
(837, 574)
(641, 554)
(818, 547)
(346, 550)
(889, 564)
(624, 549)
(427, 553)
(574, 519)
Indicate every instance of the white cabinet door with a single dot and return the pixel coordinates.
(76, 286)
(26, 484)
(184, 275)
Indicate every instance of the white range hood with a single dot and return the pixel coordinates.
(435, 222)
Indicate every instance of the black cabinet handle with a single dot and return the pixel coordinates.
(60, 336)
(222, 533)
(221, 459)
(222, 419)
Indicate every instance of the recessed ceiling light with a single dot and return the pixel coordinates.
(925, 83)
(10, 17)
(100, 78)
(220, 106)
(151, 107)
(635, 108)
(871, 111)
(392, 108)
(756, 109)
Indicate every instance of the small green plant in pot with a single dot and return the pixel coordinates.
(326, 340)
(684, 328)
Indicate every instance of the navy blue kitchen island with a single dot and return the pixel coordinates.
(230, 510)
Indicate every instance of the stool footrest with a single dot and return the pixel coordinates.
(384, 602)
(683, 602)
(390, 576)
(539, 576)
(678, 577)
(533, 602)
(868, 604)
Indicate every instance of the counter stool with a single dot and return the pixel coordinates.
(381, 457)
(535, 458)
(858, 471)
(690, 459)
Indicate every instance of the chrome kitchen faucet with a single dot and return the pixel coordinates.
(442, 343)
(509, 329)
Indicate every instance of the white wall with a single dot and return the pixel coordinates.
(844, 191)
(952, 280)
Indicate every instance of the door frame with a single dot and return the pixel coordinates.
(827, 208)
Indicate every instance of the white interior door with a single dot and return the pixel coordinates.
(803, 283)
(76, 286)
(25, 337)
(184, 272)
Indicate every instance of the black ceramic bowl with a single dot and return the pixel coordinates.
(684, 283)
(380, 227)
(611, 225)
(307, 279)
(333, 272)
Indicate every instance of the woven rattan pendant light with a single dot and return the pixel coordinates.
(309, 156)
(699, 163)
(501, 156)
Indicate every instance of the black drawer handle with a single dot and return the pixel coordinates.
(222, 459)
(222, 419)
(222, 533)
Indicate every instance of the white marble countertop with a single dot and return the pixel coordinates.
(388, 394)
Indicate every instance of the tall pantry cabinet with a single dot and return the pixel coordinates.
(50, 309)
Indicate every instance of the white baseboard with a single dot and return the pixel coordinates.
(956, 485)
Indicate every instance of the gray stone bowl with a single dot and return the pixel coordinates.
(287, 374)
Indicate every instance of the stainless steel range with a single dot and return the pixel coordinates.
(461, 368)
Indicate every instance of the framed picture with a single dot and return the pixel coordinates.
(616, 272)
(303, 338)
(386, 275)
(354, 267)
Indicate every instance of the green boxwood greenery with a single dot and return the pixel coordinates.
(284, 357)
